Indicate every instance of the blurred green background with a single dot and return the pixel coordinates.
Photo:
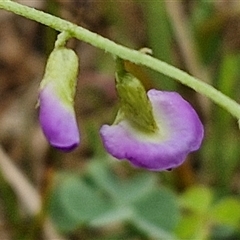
(88, 194)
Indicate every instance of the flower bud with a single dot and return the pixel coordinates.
(56, 99)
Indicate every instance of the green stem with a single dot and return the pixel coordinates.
(62, 39)
(123, 52)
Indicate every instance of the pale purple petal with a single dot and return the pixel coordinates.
(180, 132)
(58, 120)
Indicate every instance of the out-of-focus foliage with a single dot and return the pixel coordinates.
(99, 199)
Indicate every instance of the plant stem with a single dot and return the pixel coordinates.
(123, 52)
(62, 39)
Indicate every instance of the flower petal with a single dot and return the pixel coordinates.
(58, 120)
(180, 132)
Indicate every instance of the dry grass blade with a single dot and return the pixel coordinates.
(26, 193)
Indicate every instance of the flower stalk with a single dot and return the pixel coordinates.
(125, 53)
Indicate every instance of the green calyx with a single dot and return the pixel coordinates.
(134, 103)
(61, 71)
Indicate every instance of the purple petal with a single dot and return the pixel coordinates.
(180, 132)
(58, 120)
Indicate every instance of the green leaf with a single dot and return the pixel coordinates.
(159, 209)
(103, 177)
(135, 188)
(124, 191)
(63, 221)
(189, 227)
(116, 215)
(153, 231)
(197, 199)
(75, 203)
(222, 232)
(227, 212)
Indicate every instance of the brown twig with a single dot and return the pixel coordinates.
(187, 47)
(27, 194)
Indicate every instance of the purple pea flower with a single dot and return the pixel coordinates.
(57, 91)
(179, 132)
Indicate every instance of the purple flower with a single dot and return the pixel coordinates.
(180, 132)
(56, 99)
(58, 120)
